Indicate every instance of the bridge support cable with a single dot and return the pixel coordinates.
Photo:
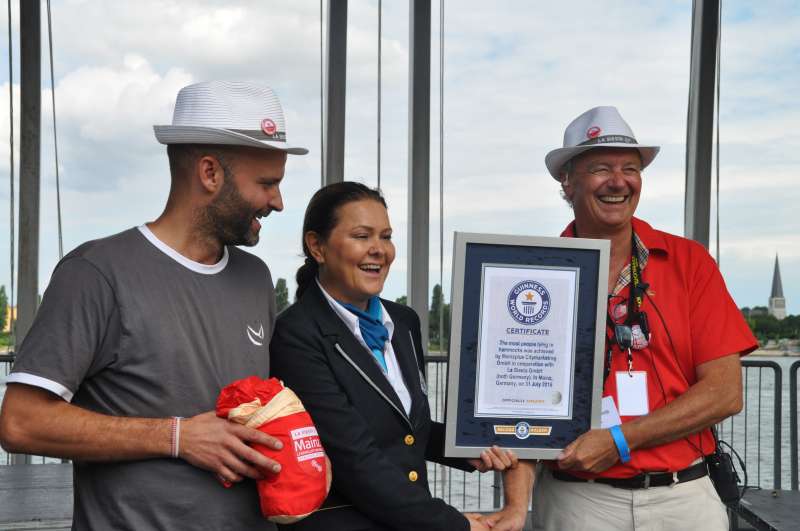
(441, 176)
(321, 100)
(55, 132)
(380, 39)
(716, 116)
(11, 174)
(440, 302)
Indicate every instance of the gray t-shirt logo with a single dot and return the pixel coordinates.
(256, 337)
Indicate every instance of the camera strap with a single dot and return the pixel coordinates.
(633, 315)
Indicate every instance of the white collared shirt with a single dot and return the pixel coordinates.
(393, 373)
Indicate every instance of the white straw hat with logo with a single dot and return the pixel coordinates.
(600, 127)
(230, 113)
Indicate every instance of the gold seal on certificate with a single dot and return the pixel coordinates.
(526, 344)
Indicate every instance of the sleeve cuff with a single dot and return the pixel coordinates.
(43, 383)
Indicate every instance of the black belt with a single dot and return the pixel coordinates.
(645, 480)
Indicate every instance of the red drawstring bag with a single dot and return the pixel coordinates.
(304, 480)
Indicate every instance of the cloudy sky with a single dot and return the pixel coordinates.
(515, 73)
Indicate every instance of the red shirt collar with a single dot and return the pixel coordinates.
(651, 238)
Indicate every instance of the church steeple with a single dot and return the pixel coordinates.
(777, 303)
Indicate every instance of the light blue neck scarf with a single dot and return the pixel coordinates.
(372, 329)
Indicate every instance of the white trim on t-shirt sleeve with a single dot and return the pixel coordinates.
(44, 383)
(197, 267)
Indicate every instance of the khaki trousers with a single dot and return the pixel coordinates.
(565, 506)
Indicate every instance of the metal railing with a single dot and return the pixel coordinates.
(755, 433)
(748, 432)
(463, 490)
(6, 361)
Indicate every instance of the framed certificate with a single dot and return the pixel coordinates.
(526, 351)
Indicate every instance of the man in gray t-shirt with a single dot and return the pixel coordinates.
(148, 325)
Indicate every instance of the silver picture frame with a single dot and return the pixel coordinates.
(582, 262)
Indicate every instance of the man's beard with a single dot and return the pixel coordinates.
(229, 217)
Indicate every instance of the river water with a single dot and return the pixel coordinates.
(751, 433)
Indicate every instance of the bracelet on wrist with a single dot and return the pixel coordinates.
(622, 444)
(175, 439)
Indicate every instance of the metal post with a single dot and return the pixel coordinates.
(497, 487)
(793, 422)
(30, 125)
(336, 87)
(700, 122)
(419, 157)
(29, 185)
(776, 433)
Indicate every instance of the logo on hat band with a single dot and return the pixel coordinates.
(593, 132)
(277, 136)
(609, 139)
(268, 126)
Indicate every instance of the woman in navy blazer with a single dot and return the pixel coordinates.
(360, 374)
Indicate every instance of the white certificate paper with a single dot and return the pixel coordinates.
(526, 342)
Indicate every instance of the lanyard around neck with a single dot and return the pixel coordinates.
(634, 305)
(634, 297)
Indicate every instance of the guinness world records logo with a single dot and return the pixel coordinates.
(528, 302)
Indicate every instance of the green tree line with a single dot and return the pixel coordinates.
(766, 327)
(3, 308)
(437, 302)
(5, 338)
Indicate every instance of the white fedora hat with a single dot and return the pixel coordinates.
(601, 127)
(228, 112)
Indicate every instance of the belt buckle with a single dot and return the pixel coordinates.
(675, 479)
(646, 480)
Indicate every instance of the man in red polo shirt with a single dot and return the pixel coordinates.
(673, 341)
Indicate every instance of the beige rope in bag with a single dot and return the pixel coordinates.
(304, 480)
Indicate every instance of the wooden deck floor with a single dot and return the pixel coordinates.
(36, 497)
(40, 497)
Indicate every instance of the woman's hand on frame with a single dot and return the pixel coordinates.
(494, 458)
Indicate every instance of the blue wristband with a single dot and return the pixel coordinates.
(622, 444)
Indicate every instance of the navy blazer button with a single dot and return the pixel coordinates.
(413, 476)
(409, 440)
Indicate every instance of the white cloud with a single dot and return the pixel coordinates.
(117, 103)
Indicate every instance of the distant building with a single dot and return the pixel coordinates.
(10, 316)
(777, 303)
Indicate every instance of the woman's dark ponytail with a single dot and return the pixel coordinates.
(305, 275)
(322, 215)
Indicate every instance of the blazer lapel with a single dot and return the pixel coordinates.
(406, 354)
(346, 345)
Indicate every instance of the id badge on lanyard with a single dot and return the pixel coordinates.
(632, 394)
